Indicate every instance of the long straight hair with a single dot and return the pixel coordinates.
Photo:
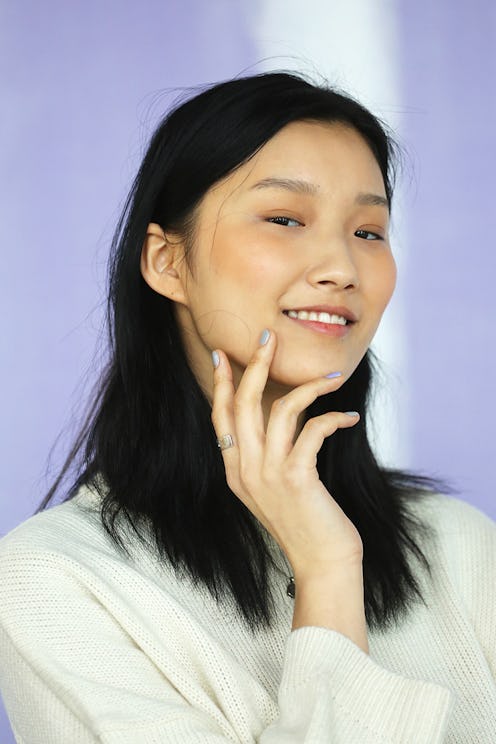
(148, 444)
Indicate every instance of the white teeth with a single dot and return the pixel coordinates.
(320, 317)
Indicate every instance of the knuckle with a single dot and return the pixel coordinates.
(282, 404)
(278, 404)
(314, 424)
(238, 404)
(322, 425)
(242, 401)
(255, 359)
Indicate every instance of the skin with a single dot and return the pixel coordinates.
(247, 268)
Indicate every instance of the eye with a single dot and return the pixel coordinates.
(368, 235)
(285, 221)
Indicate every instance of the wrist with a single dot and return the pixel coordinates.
(332, 574)
(334, 601)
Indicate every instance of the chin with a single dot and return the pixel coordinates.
(293, 378)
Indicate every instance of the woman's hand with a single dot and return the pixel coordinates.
(277, 480)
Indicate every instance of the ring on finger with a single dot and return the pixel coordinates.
(225, 442)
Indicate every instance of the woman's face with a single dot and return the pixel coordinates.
(303, 224)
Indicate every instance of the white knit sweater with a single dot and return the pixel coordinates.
(98, 648)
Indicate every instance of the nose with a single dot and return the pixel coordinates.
(334, 266)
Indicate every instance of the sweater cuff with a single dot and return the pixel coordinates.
(401, 708)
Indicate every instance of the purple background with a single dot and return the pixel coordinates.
(448, 75)
(80, 88)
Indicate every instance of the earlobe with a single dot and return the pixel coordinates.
(158, 259)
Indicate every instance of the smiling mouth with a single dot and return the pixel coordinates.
(331, 330)
(322, 318)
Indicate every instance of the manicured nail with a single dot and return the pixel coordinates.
(264, 337)
(215, 358)
(352, 413)
(334, 374)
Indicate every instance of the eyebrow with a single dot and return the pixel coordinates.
(310, 189)
(372, 200)
(291, 184)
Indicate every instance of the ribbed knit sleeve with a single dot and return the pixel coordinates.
(331, 691)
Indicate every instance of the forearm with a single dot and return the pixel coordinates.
(333, 601)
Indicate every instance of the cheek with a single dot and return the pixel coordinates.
(383, 276)
(234, 272)
(246, 262)
(391, 273)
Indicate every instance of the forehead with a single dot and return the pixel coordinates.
(326, 155)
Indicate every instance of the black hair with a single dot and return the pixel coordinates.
(148, 444)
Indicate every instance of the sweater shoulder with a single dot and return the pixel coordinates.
(464, 546)
(66, 527)
(452, 516)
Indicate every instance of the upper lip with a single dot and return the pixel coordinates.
(339, 310)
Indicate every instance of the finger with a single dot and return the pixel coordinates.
(223, 421)
(284, 414)
(222, 406)
(304, 453)
(247, 403)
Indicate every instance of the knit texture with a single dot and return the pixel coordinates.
(97, 647)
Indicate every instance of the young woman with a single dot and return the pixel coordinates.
(231, 563)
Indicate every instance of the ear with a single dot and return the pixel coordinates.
(159, 257)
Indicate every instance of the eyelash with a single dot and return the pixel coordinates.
(281, 220)
(277, 220)
(369, 232)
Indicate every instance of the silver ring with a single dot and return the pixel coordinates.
(225, 442)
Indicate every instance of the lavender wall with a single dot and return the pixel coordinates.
(80, 91)
(448, 68)
(78, 82)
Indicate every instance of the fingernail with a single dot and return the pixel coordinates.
(334, 374)
(352, 413)
(215, 358)
(264, 337)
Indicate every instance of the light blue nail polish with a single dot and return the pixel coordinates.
(215, 358)
(264, 337)
(334, 374)
(352, 413)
